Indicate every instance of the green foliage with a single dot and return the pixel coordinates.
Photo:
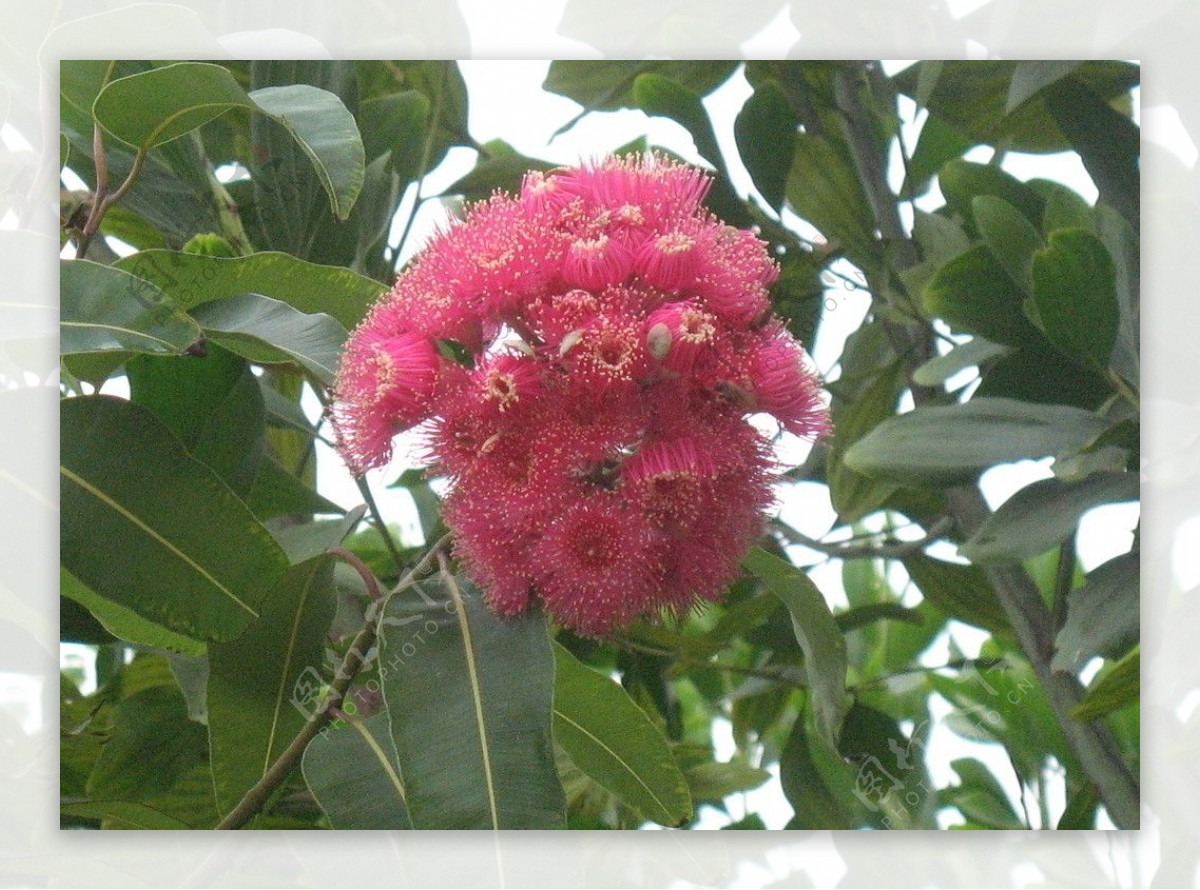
(257, 201)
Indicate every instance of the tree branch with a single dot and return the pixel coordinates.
(254, 799)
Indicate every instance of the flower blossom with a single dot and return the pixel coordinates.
(598, 444)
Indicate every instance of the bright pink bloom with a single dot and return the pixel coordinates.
(601, 461)
(385, 384)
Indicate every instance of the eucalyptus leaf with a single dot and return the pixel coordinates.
(200, 571)
(471, 701)
(817, 632)
(947, 443)
(352, 771)
(613, 741)
(1043, 514)
(260, 685)
(106, 309)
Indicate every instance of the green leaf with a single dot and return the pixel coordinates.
(1113, 690)
(961, 592)
(881, 750)
(658, 95)
(1102, 616)
(814, 805)
(213, 403)
(1076, 296)
(268, 331)
(106, 309)
(716, 781)
(1042, 515)
(471, 698)
(1031, 76)
(326, 132)
(947, 443)
(1108, 142)
(824, 188)
(124, 814)
(817, 633)
(962, 182)
(1012, 238)
(277, 492)
(157, 106)
(765, 130)
(259, 685)
(153, 107)
(80, 81)
(976, 351)
(201, 570)
(852, 494)
(973, 293)
(608, 85)
(938, 143)
(352, 770)
(124, 623)
(192, 279)
(152, 744)
(503, 168)
(752, 822)
(613, 741)
(862, 616)
(980, 798)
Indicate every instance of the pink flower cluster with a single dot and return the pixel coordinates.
(599, 448)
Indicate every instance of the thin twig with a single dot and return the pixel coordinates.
(353, 662)
(876, 550)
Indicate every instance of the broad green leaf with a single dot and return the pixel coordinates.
(608, 85)
(106, 309)
(962, 182)
(976, 351)
(1040, 372)
(938, 143)
(1075, 295)
(1113, 690)
(973, 96)
(980, 798)
(1102, 616)
(613, 741)
(80, 81)
(124, 623)
(153, 743)
(961, 592)
(891, 780)
(326, 132)
(501, 168)
(213, 403)
(973, 293)
(1011, 237)
(814, 806)
(124, 814)
(852, 494)
(1108, 143)
(193, 279)
(1043, 514)
(200, 569)
(157, 106)
(260, 685)
(753, 822)
(153, 107)
(1031, 76)
(352, 771)
(949, 443)
(268, 331)
(658, 95)
(824, 188)
(816, 631)
(716, 781)
(276, 492)
(471, 698)
(308, 540)
(765, 130)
